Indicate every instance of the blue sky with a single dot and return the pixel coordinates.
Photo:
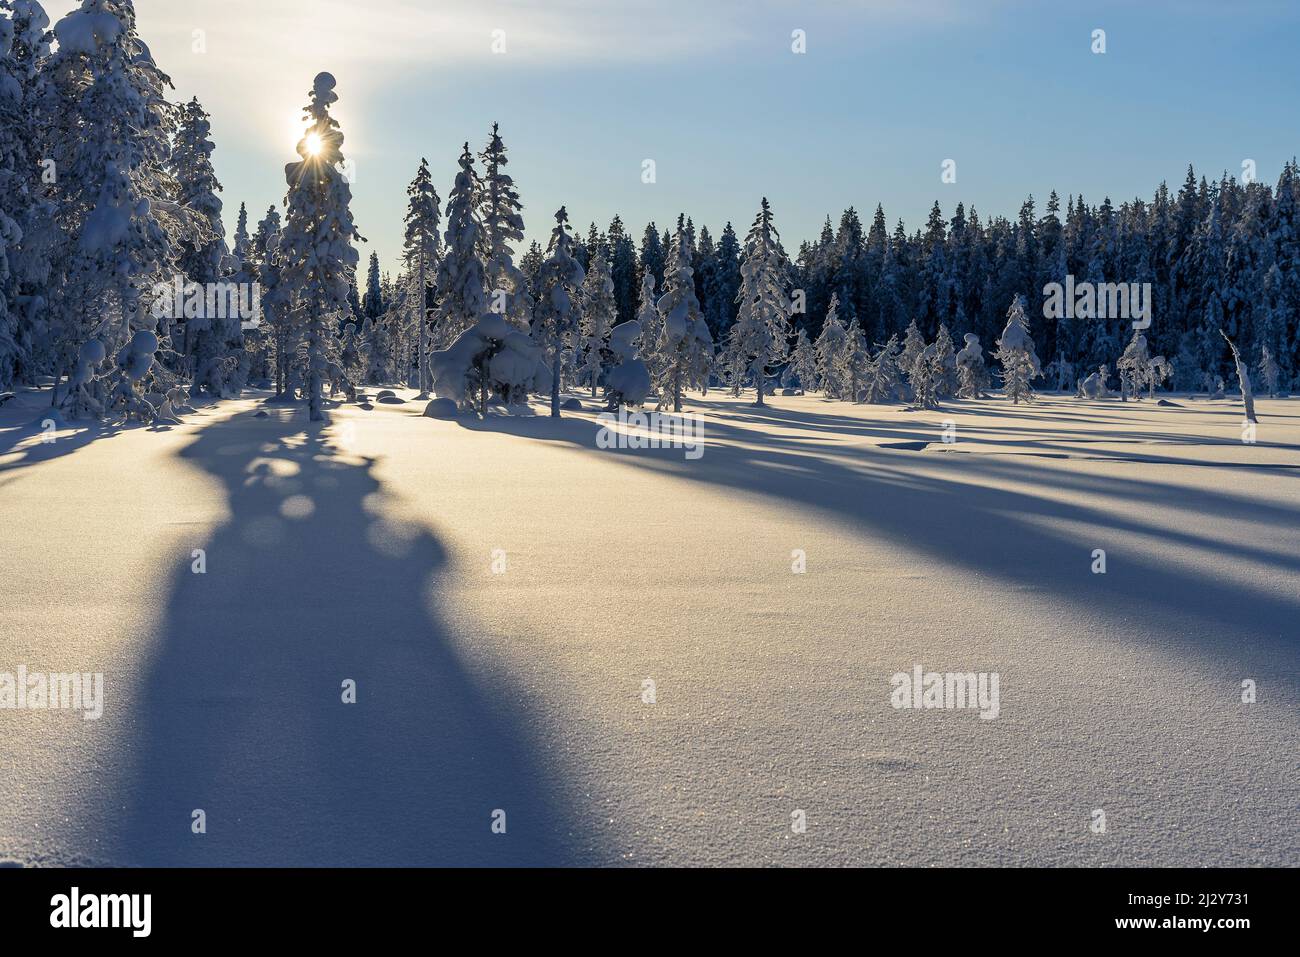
(710, 90)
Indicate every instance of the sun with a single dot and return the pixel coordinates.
(313, 144)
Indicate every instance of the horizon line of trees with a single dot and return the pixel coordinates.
(109, 190)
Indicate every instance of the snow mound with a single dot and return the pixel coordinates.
(441, 409)
(571, 405)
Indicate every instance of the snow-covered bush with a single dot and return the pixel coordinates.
(972, 376)
(490, 359)
(628, 381)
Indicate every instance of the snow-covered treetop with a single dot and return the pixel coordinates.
(971, 352)
(316, 243)
(1016, 334)
(423, 215)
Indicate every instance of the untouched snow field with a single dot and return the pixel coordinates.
(371, 548)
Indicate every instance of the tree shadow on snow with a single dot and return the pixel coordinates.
(308, 586)
(962, 512)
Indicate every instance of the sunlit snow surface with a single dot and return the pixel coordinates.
(365, 549)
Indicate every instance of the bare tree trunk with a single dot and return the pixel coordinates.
(419, 330)
(555, 385)
(1243, 377)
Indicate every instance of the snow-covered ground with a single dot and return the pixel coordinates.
(371, 548)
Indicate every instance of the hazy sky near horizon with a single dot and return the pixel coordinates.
(712, 92)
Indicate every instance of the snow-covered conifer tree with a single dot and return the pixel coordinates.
(856, 360)
(972, 375)
(372, 303)
(882, 381)
(460, 274)
(684, 340)
(1020, 364)
(213, 338)
(803, 362)
(554, 316)
(599, 314)
(924, 377)
(110, 143)
(913, 346)
(503, 226)
(651, 325)
(421, 251)
(760, 334)
(243, 241)
(1269, 372)
(947, 358)
(25, 213)
(1133, 367)
(318, 260)
(831, 349)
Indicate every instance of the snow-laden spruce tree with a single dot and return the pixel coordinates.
(1016, 354)
(503, 226)
(628, 380)
(26, 213)
(460, 274)
(857, 357)
(831, 348)
(213, 340)
(924, 376)
(373, 303)
(109, 139)
(14, 198)
(913, 346)
(1133, 367)
(420, 250)
(651, 325)
(599, 315)
(882, 380)
(243, 241)
(972, 376)
(803, 363)
(1269, 372)
(947, 358)
(276, 325)
(318, 260)
(559, 279)
(685, 345)
(760, 336)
